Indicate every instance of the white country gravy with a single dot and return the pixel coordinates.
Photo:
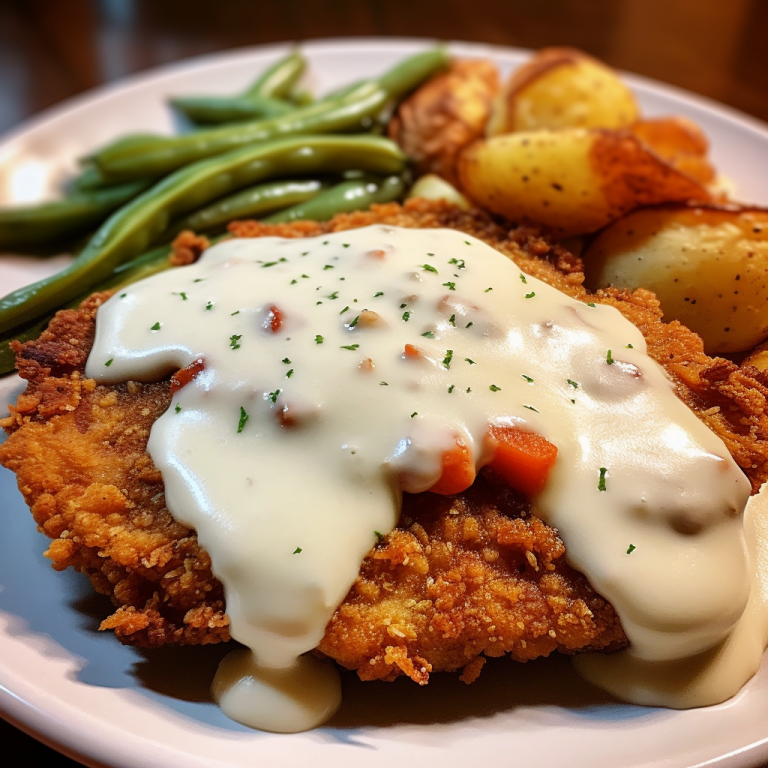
(289, 451)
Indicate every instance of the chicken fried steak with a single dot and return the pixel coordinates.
(462, 577)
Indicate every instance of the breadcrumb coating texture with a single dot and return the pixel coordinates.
(461, 578)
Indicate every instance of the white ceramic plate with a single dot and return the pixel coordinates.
(106, 704)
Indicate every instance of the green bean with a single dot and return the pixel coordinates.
(353, 111)
(49, 223)
(278, 80)
(262, 99)
(301, 97)
(252, 202)
(90, 178)
(346, 197)
(230, 109)
(132, 228)
(123, 142)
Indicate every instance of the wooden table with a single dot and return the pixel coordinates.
(51, 50)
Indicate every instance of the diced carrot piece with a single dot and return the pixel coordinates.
(411, 352)
(458, 470)
(274, 319)
(185, 375)
(522, 459)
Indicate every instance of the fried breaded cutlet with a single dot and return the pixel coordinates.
(461, 577)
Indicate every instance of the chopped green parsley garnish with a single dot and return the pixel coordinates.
(350, 346)
(328, 266)
(383, 384)
(177, 408)
(428, 335)
(183, 295)
(469, 389)
(234, 340)
(209, 305)
(466, 242)
(123, 295)
(523, 278)
(601, 481)
(609, 358)
(574, 384)
(334, 295)
(289, 374)
(448, 357)
(243, 418)
(494, 388)
(450, 286)
(346, 309)
(297, 551)
(460, 263)
(354, 322)
(451, 388)
(470, 361)
(403, 305)
(269, 263)
(469, 324)
(294, 281)
(377, 294)
(428, 268)
(530, 295)
(527, 378)
(452, 320)
(489, 288)
(590, 303)
(631, 548)
(198, 280)
(345, 245)
(155, 327)
(286, 361)
(379, 535)
(272, 396)
(406, 316)
(109, 362)
(629, 346)
(236, 312)
(319, 339)
(306, 277)
(415, 413)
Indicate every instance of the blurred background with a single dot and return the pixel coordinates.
(51, 50)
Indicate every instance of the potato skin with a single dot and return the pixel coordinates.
(680, 142)
(758, 357)
(563, 88)
(444, 115)
(572, 180)
(708, 265)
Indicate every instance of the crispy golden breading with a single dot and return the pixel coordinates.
(462, 577)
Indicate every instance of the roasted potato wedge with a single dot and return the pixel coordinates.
(572, 180)
(434, 187)
(758, 357)
(708, 265)
(680, 142)
(445, 115)
(563, 88)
